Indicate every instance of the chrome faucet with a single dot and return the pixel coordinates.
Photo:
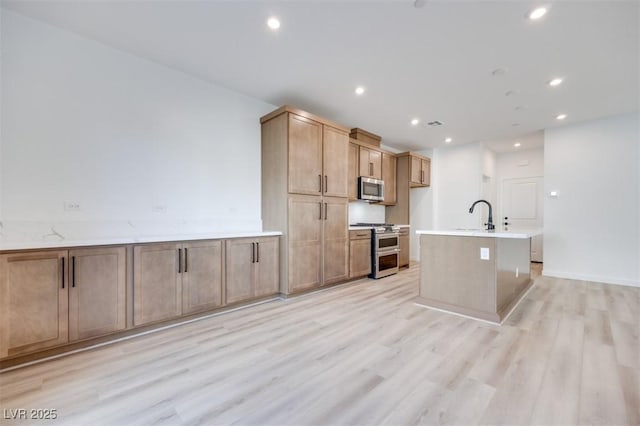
(490, 226)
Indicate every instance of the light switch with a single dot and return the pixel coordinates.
(484, 253)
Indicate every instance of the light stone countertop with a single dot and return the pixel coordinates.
(481, 233)
(60, 242)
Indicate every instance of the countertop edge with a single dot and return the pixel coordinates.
(462, 233)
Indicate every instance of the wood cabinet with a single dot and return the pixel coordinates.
(359, 253)
(353, 171)
(33, 301)
(420, 173)
(252, 268)
(389, 178)
(202, 276)
(370, 161)
(170, 280)
(412, 171)
(314, 249)
(56, 296)
(404, 246)
(97, 291)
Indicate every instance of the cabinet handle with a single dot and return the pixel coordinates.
(63, 272)
(325, 211)
(320, 183)
(179, 261)
(253, 252)
(422, 176)
(370, 169)
(73, 271)
(186, 259)
(326, 184)
(257, 252)
(320, 204)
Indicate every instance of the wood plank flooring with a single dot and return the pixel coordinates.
(360, 354)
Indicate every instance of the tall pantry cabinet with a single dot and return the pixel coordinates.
(305, 195)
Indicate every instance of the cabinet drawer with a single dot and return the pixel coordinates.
(360, 234)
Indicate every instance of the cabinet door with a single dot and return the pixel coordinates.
(389, 178)
(240, 269)
(33, 301)
(403, 245)
(353, 171)
(201, 276)
(97, 291)
(359, 258)
(157, 292)
(305, 156)
(416, 170)
(305, 241)
(426, 172)
(336, 162)
(267, 278)
(370, 163)
(336, 240)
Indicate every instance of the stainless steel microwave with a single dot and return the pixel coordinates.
(370, 189)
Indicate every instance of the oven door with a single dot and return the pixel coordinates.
(387, 241)
(386, 263)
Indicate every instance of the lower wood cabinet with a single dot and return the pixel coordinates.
(170, 280)
(252, 268)
(51, 297)
(404, 246)
(359, 253)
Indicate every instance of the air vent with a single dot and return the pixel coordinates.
(435, 123)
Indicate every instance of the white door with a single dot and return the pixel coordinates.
(522, 209)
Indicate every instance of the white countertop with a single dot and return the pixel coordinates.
(481, 233)
(60, 242)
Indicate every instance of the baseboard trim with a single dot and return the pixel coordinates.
(592, 278)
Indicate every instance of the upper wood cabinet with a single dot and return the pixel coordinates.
(420, 171)
(305, 156)
(335, 148)
(97, 291)
(389, 178)
(370, 163)
(33, 301)
(354, 170)
(252, 268)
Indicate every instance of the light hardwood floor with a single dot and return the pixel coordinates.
(361, 354)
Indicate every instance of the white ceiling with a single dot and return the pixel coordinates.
(434, 62)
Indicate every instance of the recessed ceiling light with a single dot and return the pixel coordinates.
(561, 116)
(517, 144)
(415, 122)
(273, 23)
(537, 13)
(448, 140)
(359, 90)
(555, 82)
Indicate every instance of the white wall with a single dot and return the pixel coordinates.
(121, 136)
(421, 210)
(592, 228)
(363, 212)
(457, 183)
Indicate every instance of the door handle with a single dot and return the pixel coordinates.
(62, 272)
(179, 261)
(257, 252)
(421, 176)
(326, 183)
(73, 271)
(186, 258)
(320, 183)
(325, 211)
(253, 252)
(320, 204)
(371, 169)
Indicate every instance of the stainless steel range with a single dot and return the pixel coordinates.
(385, 249)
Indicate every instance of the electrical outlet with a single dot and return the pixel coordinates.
(159, 208)
(484, 253)
(71, 206)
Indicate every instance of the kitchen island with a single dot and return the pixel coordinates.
(475, 273)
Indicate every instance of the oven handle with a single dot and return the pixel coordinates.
(388, 251)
